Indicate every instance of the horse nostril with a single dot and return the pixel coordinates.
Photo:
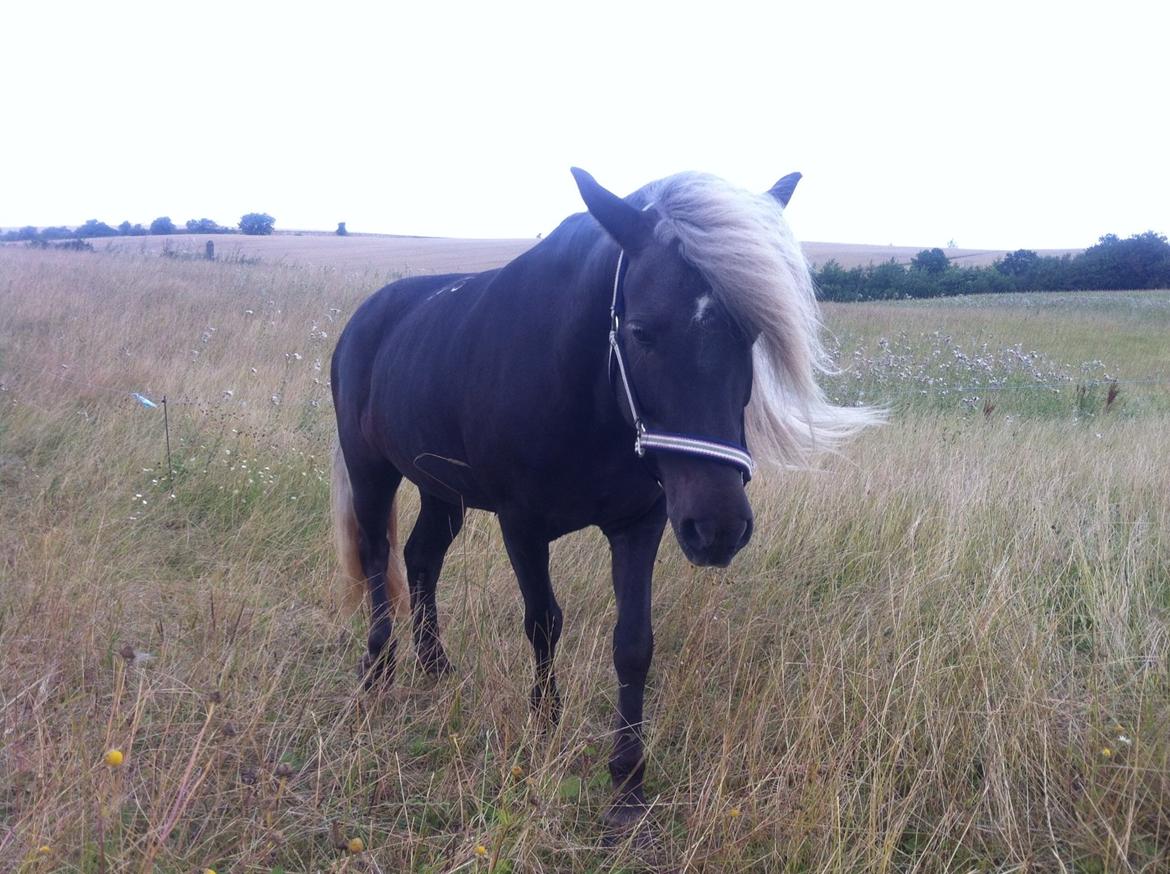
(690, 533)
(747, 535)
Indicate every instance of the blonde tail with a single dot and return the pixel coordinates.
(352, 579)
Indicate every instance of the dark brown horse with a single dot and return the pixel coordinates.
(621, 373)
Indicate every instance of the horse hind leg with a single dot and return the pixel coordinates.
(437, 525)
(366, 535)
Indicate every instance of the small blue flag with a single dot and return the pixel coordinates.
(144, 400)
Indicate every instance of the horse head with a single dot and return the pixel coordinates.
(685, 370)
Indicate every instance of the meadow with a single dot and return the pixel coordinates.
(947, 649)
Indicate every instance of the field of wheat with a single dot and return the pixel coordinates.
(946, 650)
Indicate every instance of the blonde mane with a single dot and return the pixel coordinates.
(741, 243)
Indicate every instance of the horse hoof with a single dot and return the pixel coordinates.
(628, 820)
(437, 665)
(546, 706)
(375, 672)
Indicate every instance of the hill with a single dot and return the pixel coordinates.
(443, 254)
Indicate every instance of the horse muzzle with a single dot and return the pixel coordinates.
(708, 509)
(713, 541)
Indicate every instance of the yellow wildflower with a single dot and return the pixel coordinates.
(114, 758)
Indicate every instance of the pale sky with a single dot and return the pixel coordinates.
(998, 125)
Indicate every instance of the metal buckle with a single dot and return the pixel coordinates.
(639, 432)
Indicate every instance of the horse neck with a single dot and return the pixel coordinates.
(562, 289)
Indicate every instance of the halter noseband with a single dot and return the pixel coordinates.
(663, 441)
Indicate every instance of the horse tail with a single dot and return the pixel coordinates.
(351, 579)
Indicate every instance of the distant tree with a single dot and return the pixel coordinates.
(834, 282)
(1141, 261)
(94, 228)
(124, 228)
(931, 261)
(205, 226)
(60, 232)
(257, 223)
(341, 231)
(1018, 263)
(28, 232)
(162, 225)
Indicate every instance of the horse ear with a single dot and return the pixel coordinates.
(783, 189)
(626, 224)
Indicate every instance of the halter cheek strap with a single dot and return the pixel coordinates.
(662, 441)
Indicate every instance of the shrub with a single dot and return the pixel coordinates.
(206, 226)
(94, 228)
(257, 223)
(931, 261)
(341, 231)
(28, 232)
(162, 225)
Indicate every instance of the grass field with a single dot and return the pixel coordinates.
(947, 650)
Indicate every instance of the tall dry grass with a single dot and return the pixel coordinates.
(945, 651)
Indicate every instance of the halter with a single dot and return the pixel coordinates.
(662, 441)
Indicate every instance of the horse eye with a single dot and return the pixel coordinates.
(641, 335)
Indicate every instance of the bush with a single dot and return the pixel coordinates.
(1142, 261)
(162, 225)
(931, 261)
(341, 231)
(94, 228)
(206, 226)
(28, 232)
(257, 223)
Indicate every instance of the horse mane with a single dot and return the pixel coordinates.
(742, 245)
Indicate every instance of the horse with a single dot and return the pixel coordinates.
(631, 368)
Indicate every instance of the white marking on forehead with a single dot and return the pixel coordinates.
(702, 305)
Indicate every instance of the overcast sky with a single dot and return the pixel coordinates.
(993, 124)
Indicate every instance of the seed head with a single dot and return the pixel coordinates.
(355, 845)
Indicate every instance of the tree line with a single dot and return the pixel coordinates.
(1140, 261)
(254, 223)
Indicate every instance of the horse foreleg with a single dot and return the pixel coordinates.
(634, 548)
(542, 614)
